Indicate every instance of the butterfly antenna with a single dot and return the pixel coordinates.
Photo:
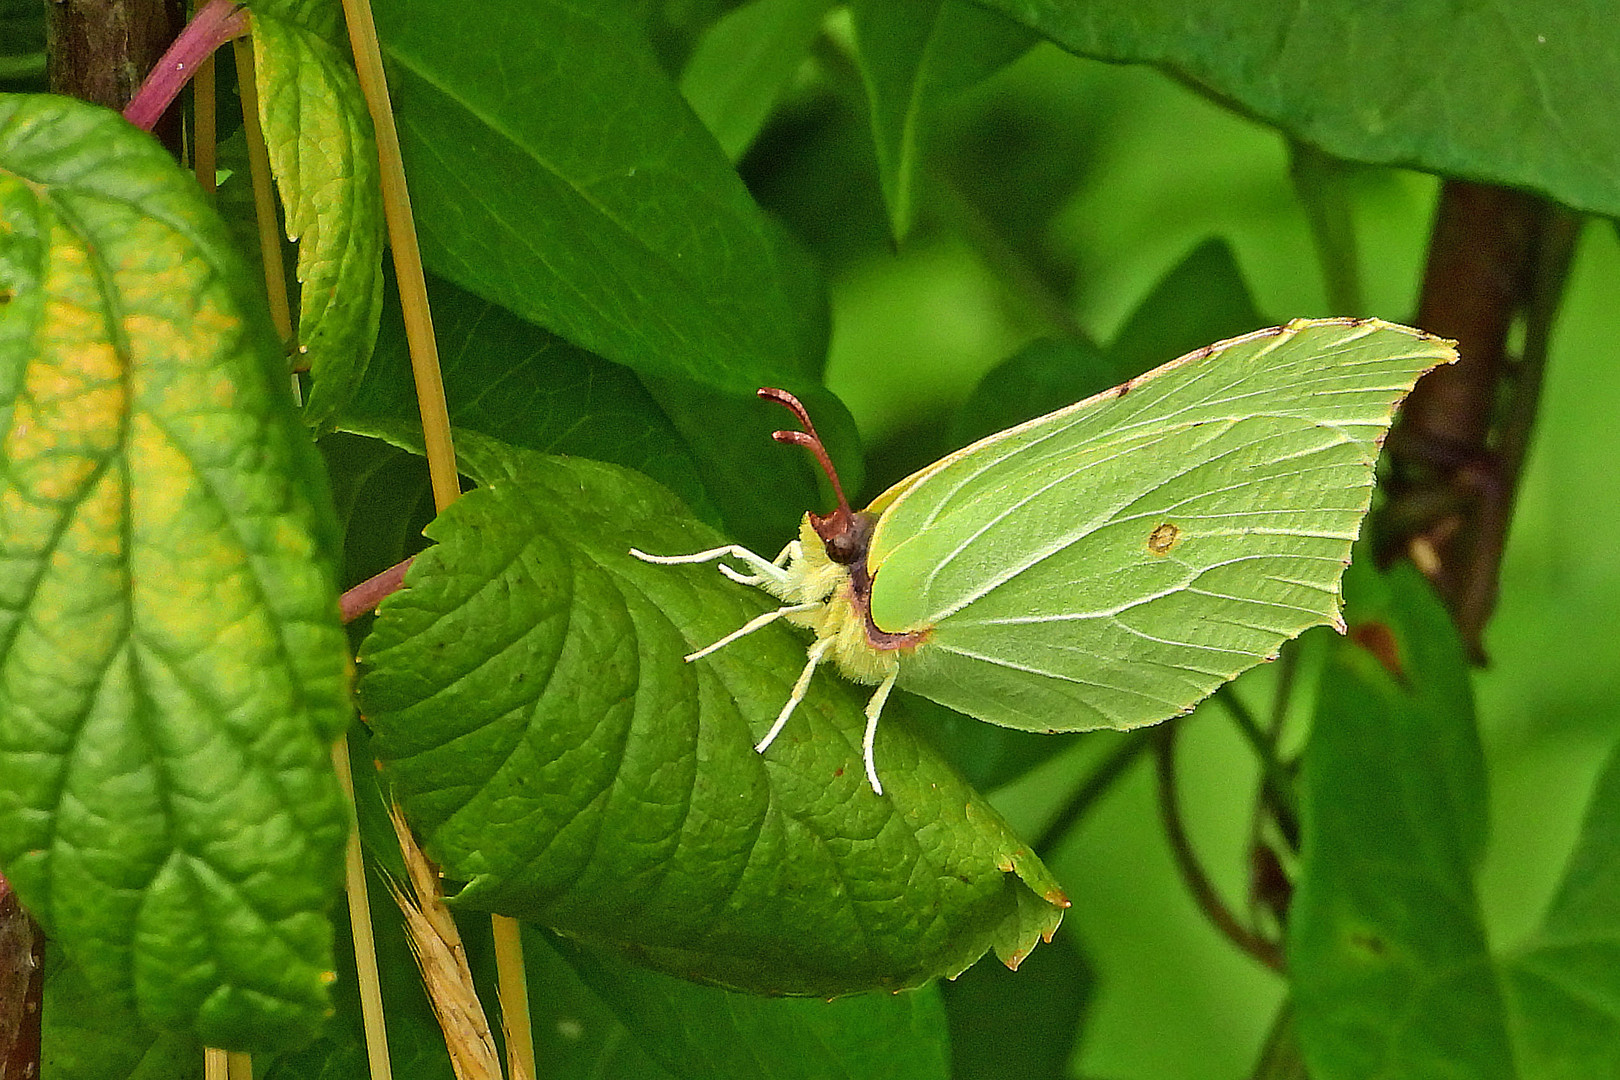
(806, 438)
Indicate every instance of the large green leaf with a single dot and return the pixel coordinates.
(171, 666)
(325, 162)
(556, 170)
(1515, 94)
(1393, 973)
(536, 720)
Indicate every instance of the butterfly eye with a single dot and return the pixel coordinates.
(845, 535)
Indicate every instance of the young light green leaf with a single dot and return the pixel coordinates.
(325, 162)
(742, 63)
(563, 177)
(911, 54)
(171, 666)
(323, 18)
(536, 720)
(1387, 87)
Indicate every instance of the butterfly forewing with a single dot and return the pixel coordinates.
(1111, 564)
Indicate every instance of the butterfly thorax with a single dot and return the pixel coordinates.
(862, 651)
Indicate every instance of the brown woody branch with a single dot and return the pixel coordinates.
(100, 50)
(1497, 261)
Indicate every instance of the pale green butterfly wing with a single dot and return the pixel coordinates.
(1112, 563)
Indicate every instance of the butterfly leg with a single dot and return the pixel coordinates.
(874, 709)
(763, 571)
(750, 626)
(817, 651)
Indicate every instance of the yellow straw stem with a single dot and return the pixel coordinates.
(365, 944)
(430, 401)
(264, 201)
(513, 987)
(204, 129)
(413, 299)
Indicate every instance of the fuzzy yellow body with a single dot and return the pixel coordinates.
(812, 578)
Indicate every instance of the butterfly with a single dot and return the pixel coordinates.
(1110, 564)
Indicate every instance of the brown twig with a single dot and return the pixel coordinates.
(1192, 872)
(100, 50)
(1496, 258)
(22, 986)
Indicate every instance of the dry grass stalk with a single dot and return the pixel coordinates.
(437, 946)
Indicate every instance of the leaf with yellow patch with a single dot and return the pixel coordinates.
(171, 665)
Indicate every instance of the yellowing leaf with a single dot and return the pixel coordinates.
(171, 666)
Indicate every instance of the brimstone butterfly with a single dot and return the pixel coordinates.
(1111, 564)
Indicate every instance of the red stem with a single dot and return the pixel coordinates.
(218, 22)
(369, 593)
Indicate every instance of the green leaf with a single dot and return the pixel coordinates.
(1391, 970)
(515, 382)
(1202, 299)
(324, 157)
(1043, 376)
(1388, 85)
(537, 722)
(562, 176)
(87, 1036)
(913, 53)
(383, 498)
(587, 1039)
(1047, 996)
(171, 666)
(1394, 975)
(1563, 985)
(706, 1033)
(742, 64)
